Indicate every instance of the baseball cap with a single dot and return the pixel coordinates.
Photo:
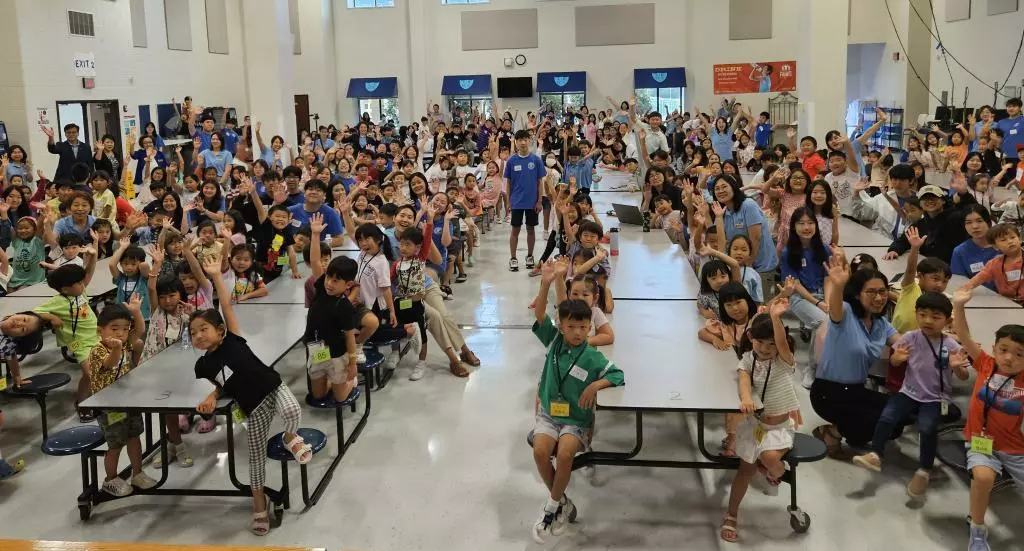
(930, 190)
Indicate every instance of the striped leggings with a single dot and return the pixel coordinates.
(280, 401)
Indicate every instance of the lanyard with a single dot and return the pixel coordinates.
(764, 389)
(937, 354)
(120, 364)
(733, 326)
(167, 327)
(558, 368)
(364, 263)
(73, 313)
(404, 276)
(989, 402)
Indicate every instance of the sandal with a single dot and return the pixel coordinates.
(457, 369)
(728, 531)
(301, 451)
(833, 442)
(261, 521)
(728, 446)
(469, 357)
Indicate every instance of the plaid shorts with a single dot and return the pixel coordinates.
(117, 434)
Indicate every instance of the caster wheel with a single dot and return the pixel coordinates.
(85, 511)
(805, 335)
(799, 521)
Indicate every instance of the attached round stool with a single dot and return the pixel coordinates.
(277, 451)
(37, 389)
(806, 449)
(80, 440)
(374, 362)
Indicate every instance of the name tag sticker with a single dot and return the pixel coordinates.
(115, 417)
(981, 444)
(578, 372)
(517, 168)
(237, 414)
(405, 304)
(976, 267)
(319, 353)
(1013, 275)
(559, 409)
(1013, 131)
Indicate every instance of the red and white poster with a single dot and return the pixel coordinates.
(754, 78)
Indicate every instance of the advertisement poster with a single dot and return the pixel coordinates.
(754, 78)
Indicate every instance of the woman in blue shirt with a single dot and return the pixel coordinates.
(742, 216)
(17, 165)
(971, 256)
(216, 157)
(856, 336)
(721, 138)
(803, 274)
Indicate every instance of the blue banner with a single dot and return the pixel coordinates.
(672, 77)
(571, 81)
(380, 87)
(466, 85)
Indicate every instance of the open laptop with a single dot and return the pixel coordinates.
(628, 214)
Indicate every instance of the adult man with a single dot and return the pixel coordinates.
(1013, 134)
(69, 152)
(315, 192)
(525, 173)
(656, 138)
(323, 140)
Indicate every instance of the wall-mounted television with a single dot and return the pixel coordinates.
(515, 87)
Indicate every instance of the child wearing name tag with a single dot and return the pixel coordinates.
(236, 372)
(245, 282)
(994, 432)
(330, 323)
(932, 358)
(120, 345)
(573, 374)
(1005, 269)
(407, 273)
(769, 399)
(130, 272)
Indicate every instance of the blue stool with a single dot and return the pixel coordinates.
(375, 362)
(37, 389)
(806, 449)
(82, 441)
(277, 451)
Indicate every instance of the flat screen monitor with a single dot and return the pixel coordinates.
(515, 87)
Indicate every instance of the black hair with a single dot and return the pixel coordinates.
(30, 343)
(373, 231)
(934, 301)
(851, 293)
(412, 235)
(795, 247)
(737, 193)
(934, 265)
(112, 313)
(590, 227)
(105, 249)
(523, 135)
(1011, 331)
(661, 197)
(206, 224)
(811, 139)
(761, 328)
(307, 252)
(1013, 102)
(591, 280)
(278, 208)
(389, 209)
(315, 183)
(861, 259)
(574, 151)
(574, 309)
(826, 209)
(70, 240)
(901, 171)
(1001, 230)
(70, 126)
(712, 267)
(732, 291)
(65, 276)
(168, 285)
(238, 219)
(290, 171)
(343, 268)
(765, 114)
(133, 252)
(214, 203)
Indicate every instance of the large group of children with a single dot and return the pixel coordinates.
(218, 220)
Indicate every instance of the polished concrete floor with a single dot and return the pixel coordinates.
(443, 464)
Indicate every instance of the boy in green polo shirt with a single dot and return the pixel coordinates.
(573, 374)
(72, 318)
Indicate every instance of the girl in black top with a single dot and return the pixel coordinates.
(236, 372)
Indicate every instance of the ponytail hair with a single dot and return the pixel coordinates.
(373, 231)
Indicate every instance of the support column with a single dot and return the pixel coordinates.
(821, 66)
(414, 94)
(268, 67)
(918, 41)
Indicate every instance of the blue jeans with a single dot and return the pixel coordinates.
(812, 317)
(897, 409)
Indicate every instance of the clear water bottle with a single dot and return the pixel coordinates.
(186, 339)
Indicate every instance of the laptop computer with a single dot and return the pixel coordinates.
(628, 214)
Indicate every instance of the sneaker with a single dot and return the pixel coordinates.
(184, 456)
(543, 525)
(461, 278)
(207, 425)
(184, 423)
(870, 461)
(143, 481)
(529, 262)
(418, 372)
(513, 265)
(808, 378)
(979, 539)
(86, 416)
(534, 273)
(392, 362)
(565, 514)
(360, 357)
(172, 454)
(7, 470)
(918, 485)
(469, 261)
(117, 487)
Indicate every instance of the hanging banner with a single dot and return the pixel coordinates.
(754, 78)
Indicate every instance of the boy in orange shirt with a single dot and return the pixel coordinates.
(1005, 269)
(995, 415)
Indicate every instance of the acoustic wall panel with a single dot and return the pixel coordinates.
(614, 25)
(958, 10)
(138, 12)
(293, 22)
(217, 26)
(178, 21)
(997, 7)
(750, 19)
(499, 29)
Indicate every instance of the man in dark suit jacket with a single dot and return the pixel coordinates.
(70, 151)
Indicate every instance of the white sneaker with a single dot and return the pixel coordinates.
(566, 512)
(360, 357)
(808, 377)
(419, 371)
(184, 457)
(171, 456)
(117, 487)
(543, 525)
(392, 362)
(143, 481)
(415, 343)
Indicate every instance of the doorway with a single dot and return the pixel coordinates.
(94, 118)
(301, 113)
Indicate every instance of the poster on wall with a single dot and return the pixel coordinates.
(754, 78)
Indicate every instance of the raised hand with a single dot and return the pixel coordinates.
(316, 224)
(135, 303)
(838, 270)
(880, 115)
(962, 296)
(778, 307)
(915, 239)
(157, 254)
(548, 271)
(791, 132)
(125, 240)
(47, 130)
(718, 209)
(211, 265)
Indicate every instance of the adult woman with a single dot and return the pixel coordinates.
(151, 132)
(742, 216)
(147, 156)
(16, 204)
(16, 164)
(107, 158)
(217, 157)
(853, 342)
(721, 138)
(971, 256)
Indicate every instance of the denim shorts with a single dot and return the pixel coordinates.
(1000, 463)
(544, 424)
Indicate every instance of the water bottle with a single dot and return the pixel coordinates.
(613, 239)
(186, 339)
(647, 221)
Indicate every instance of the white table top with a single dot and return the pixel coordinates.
(984, 323)
(167, 381)
(651, 267)
(610, 181)
(12, 304)
(101, 284)
(666, 367)
(852, 234)
(346, 245)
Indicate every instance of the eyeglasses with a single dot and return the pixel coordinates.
(876, 292)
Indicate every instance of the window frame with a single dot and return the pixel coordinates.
(463, 2)
(542, 95)
(351, 4)
(380, 109)
(472, 98)
(658, 99)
